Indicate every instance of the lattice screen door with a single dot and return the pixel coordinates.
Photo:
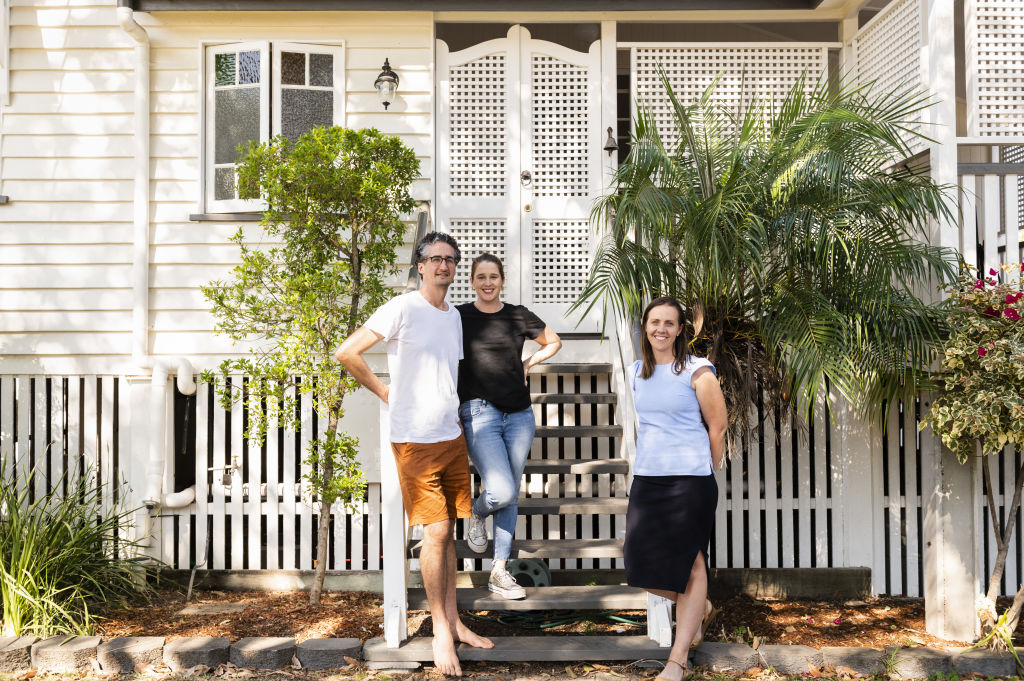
(518, 152)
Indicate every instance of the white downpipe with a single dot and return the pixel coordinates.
(140, 215)
(155, 493)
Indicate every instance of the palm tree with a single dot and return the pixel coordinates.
(794, 232)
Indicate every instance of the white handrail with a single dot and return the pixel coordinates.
(394, 568)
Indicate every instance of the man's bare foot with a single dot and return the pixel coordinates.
(462, 633)
(445, 659)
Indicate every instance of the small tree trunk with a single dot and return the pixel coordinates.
(1013, 616)
(324, 526)
(1002, 534)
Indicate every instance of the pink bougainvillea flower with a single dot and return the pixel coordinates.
(979, 284)
(992, 271)
(838, 620)
(1020, 294)
(982, 352)
(1010, 313)
(990, 312)
(1010, 299)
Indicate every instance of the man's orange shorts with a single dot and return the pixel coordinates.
(435, 480)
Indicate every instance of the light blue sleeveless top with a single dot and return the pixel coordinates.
(672, 439)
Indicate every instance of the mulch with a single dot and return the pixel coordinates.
(874, 622)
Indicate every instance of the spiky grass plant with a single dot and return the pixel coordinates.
(63, 554)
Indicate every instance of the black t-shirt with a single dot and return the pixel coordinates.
(492, 344)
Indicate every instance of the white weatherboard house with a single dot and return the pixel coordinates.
(117, 126)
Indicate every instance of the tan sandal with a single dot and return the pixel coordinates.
(682, 665)
(709, 614)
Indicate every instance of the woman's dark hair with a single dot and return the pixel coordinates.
(487, 257)
(436, 237)
(679, 347)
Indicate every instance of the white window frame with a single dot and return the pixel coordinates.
(338, 51)
(270, 104)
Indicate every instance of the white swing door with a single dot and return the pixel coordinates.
(560, 98)
(519, 154)
(478, 157)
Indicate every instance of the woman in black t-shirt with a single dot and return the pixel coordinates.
(495, 408)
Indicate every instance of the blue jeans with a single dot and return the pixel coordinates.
(499, 445)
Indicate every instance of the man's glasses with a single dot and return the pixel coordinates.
(436, 260)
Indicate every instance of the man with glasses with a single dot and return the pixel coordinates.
(424, 345)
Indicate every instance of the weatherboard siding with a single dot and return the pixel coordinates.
(67, 147)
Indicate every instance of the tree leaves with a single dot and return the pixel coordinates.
(787, 224)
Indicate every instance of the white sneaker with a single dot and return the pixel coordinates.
(505, 585)
(476, 535)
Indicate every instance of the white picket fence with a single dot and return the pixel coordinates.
(781, 504)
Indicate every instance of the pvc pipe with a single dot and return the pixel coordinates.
(140, 215)
(155, 494)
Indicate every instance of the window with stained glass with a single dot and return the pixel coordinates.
(258, 90)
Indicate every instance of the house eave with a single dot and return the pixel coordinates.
(469, 5)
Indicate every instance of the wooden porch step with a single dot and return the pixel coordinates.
(589, 368)
(601, 597)
(573, 506)
(578, 431)
(526, 649)
(540, 548)
(573, 466)
(574, 398)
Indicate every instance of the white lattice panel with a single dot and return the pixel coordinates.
(474, 237)
(561, 258)
(560, 114)
(888, 52)
(995, 67)
(478, 127)
(1015, 154)
(767, 72)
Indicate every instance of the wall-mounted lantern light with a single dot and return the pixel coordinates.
(386, 85)
(610, 145)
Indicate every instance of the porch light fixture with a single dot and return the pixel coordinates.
(386, 85)
(610, 145)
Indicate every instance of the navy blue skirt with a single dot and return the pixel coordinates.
(669, 522)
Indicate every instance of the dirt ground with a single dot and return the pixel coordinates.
(876, 622)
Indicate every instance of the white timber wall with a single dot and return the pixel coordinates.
(67, 159)
(65, 246)
(65, 249)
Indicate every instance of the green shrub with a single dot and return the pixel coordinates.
(63, 555)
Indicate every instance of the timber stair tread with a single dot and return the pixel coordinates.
(574, 398)
(526, 649)
(540, 548)
(578, 431)
(576, 368)
(573, 506)
(601, 597)
(574, 466)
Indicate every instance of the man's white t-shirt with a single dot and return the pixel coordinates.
(424, 347)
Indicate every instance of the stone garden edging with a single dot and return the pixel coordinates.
(85, 653)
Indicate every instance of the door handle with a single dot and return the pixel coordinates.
(526, 178)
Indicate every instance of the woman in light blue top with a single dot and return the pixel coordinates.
(681, 439)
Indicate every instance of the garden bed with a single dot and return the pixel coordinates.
(875, 622)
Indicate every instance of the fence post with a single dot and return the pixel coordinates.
(395, 567)
(856, 484)
(134, 465)
(659, 620)
(950, 535)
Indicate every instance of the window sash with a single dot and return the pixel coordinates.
(338, 79)
(211, 165)
(271, 105)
